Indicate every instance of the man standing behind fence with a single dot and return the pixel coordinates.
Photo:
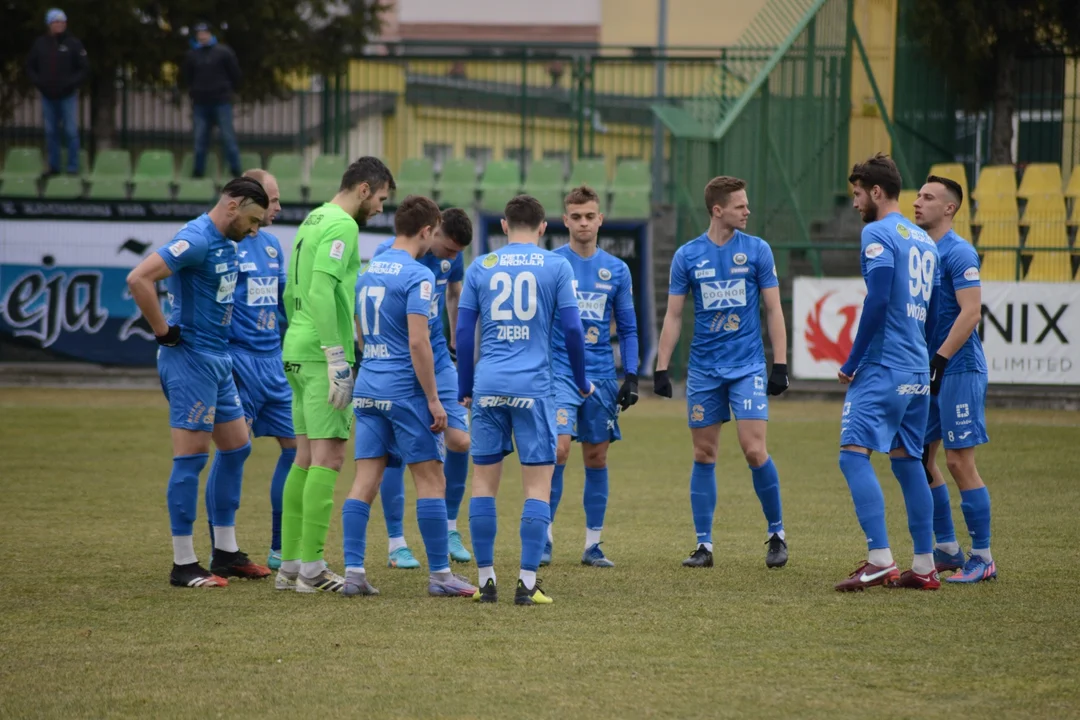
(57, 66)
(212, 74)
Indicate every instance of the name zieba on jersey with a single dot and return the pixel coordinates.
(362, 403)
(723, 294)
(513, 333)
(493, 401)
(262, 291)
(382, 267)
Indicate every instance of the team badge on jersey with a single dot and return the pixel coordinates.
(337, 249)
(903, 231)
(272, 252)
(490, 260)
(425, 290)
(731, 324)
(740, 258)
(179, 247)
(874, 249)
(604, 274)
(444, 266)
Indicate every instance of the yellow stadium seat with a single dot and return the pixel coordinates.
(998, 265)
(952, 171)
(996, 180)
(1074, 216)
(962, 225)
(997, 217)
(1040, 179)
(1072, 190)
(1050, 267)
(1044, 217)
(907, 203)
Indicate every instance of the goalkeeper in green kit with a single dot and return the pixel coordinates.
(318, 353)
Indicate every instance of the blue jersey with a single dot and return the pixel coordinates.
(390, 289)
(604, 290)
(959, 271)
(517, 291)
(896, 242)
(259, 286)
(445, 272)
(202, 284)
(726, 281)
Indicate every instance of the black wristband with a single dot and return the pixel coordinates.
(171, 337)
(780, 367)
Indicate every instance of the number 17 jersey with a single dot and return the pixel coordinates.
(517, 291)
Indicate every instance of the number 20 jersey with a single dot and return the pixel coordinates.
(517, 291)
(896, 242)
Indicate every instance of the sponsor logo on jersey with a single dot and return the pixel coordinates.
(491, 401)
(363, 403)
(731, 323)
(248, 267)
(444, 266)
(774, 271)
(381, 267)
(272, 252)
(697, 413)
(912, 389)
(971, 274)
(433, 309)
(739, 259)
(965, 435)
(847, 409)
(221, 267)
(592, 336)
(963, 410)
(706, 273)
(562, 417)
(703, 263)
(603, 274)
(490, 260)
(262, 291)
(226, 288)
(337, 249)
(179, 247)
(425, 290)
(759, 382)
(208, 419)
(519, 260)
(874, 249)
(723, 294)
(602, 286)
(592, 305)
(739, 270)
(903, 231)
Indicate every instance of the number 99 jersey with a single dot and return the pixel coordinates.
(898, 243)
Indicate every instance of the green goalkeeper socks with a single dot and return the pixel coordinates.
(318, 506)
(292, 513)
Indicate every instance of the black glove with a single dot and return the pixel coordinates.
(171, 338)
(628, 394)
(937, 372)
(778, 381)
(453, 352)
(662, 383)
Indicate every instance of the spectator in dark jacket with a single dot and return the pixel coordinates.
(57, 66)
(212, 74)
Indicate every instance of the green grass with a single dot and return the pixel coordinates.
(89, 626)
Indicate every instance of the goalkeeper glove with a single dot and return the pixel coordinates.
(341, 377)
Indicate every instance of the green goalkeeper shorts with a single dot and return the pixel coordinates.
(312, 415)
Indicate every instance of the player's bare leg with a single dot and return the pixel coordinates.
(483, 525)
(703, 492)
(223, 500)
(535, 518)
(752, 435)
(595, 499)
(947, 553)
(879, 567)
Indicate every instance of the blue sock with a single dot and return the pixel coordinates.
(354, 521)
(556, 489)
(431, 517)
(919, 502)
(866, 494)
(456, 469)
(277, 489)
(483, 523)
(595, 497)
(224, 484)
(183, 492)
(975, 505)
(703, 499)
(535, 518)
(392, 492)
(767, 487)
(944, 532)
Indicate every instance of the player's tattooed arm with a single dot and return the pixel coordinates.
(142, 283)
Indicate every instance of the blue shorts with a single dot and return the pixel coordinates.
(886, 409)
(457, 415)
(499, 421)
(594, 419)
(963, 422)
(711, 400)
(398, 429)
(264, 393)
(199, 387)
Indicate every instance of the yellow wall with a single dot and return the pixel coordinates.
(704, 23)
(876, 23)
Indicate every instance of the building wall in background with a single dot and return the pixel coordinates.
(702, 23)
(876, 23)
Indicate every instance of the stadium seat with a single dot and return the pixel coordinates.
(292, 191)
(1044, 216)
(544, 175)
(23, 162)
(591, 172)
(112, 164)
(1074, 215)
(999, 265)
(1072, 190)
(251, 160)
(63, 187)
(84, 162)
(551, 199)
(322, 190)
(997, 217)
(287, 166)
(328, 167)
(953, 171)
(212, 169)
(962, 223)
(416, 177)
(907, 203)
(195, 190)
(632, 175)
(152, 189)
(458, 174)
(155, 164)
(1040, 179)
(1050, 267)
(630, 205)
(462, 196)
(20, 186)
(996, 180)
(108, 188)
(501, 181)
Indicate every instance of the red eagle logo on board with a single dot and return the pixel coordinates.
(819, 344)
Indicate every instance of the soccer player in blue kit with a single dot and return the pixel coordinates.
(200, 263)
(515, 292)
(958, 382)
(399, 417)
(255, 346)
(604, 292)
(728, 272)
(444, 260)
(888, 397)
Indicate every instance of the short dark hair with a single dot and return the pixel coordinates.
(951, 185)
(245, 188)
(581, 195)
(370, 170)
(524, 212)
(719, 189)
(415, 213)
(457, 226)
(879, 170)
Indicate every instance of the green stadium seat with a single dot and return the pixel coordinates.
(108, 188)
(462, 196)
(251, 160)
(84, 162)
(20, 186)
(63, 187)
(416, 177)
(457, 172)
(286, 166)
(544, 175)
(591, 172)
(212, 169)
(152, 189)
(328, 167)
(195, 190)
(501, 181)
(632, 175)
(323, 190)
(551, 199)
(155, 164)
(630, 205)
(23, 162)
(292, 191)
(112, 163)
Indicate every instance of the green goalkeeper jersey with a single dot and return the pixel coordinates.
(327, 242)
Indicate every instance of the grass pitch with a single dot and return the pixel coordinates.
(89, 626)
